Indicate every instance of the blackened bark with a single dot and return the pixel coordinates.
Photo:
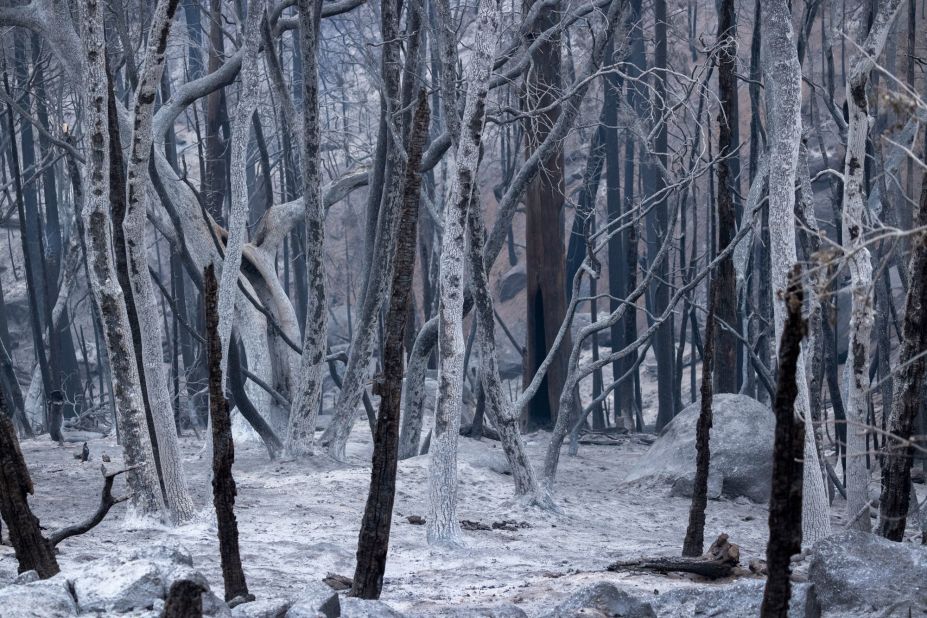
(373, 541)
(898, 453)
(544, 252)
(184, 600)
(33, 550)
(726, 344)
(214, 181)
(695, 532)
(785, 502)
(223, 449)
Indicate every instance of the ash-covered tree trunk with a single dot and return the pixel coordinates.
(443, 527)
(726, 344)
(695, 532)
(173, 481)
(783, 79)
(238, 213)
(33, 550)
(373, 543)
(909, 382)
(223, 449)
(301, 428)
(785, 502)
(862, 314)
(104, 282)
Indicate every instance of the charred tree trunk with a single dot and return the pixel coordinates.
(373, 542)
(726, 344)
(785, 502)
(544, 253)
(184, 600)
(695, 532)
(33, 550)
(898, 453)
(223, 449)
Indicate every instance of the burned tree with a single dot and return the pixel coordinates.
(373, 543)
(785, 502)
(223, 449)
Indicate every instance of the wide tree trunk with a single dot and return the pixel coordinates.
(544, 255)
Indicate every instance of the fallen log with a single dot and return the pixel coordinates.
(721, 560)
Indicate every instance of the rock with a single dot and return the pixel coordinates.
(743, 598)
(505, 610)
(493, 460)
(857, 574)
(352, 607)
(315, 599)
(512, 282)
(48, 598)
(214, 606)
(262, 608)
(741, 451)
(171, 554)
(604, 598)
(26, 578)
(102, 586)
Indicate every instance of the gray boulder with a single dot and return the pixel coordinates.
(602, 599)
(352, 607)
(102, 586)
(316, 599)
(262, 608)
(741, 451)
(48, 598)
(858, 574)
(743, 598)
(512, 282)
(504, 610)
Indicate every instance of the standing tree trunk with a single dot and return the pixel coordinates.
(33, 550)
(783, 79)
(373, 543)
(726, 344)
(223, 449)
(104, 282)
(785, 502)
(544, 255)
(301, 428)
(176, 496)
(695, 532)
(443, 527)
(862, 314)
(909, 379)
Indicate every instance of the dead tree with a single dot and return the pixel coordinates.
(785, 501)
(695, 532)
(33, 551)
(896, 471)
(721, 560)
(184, 600)
(373, 542)
(223, 449)
(107, 501)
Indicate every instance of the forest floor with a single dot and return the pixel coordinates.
(299, 521)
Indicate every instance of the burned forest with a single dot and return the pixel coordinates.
(463, 308)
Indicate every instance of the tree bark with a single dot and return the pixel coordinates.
(33, 550)
(862, 314)
(783, 78)
(443, 527)
(785, 502)
(104, 282)
(373, 542)
(223, 449)
(909, 380)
